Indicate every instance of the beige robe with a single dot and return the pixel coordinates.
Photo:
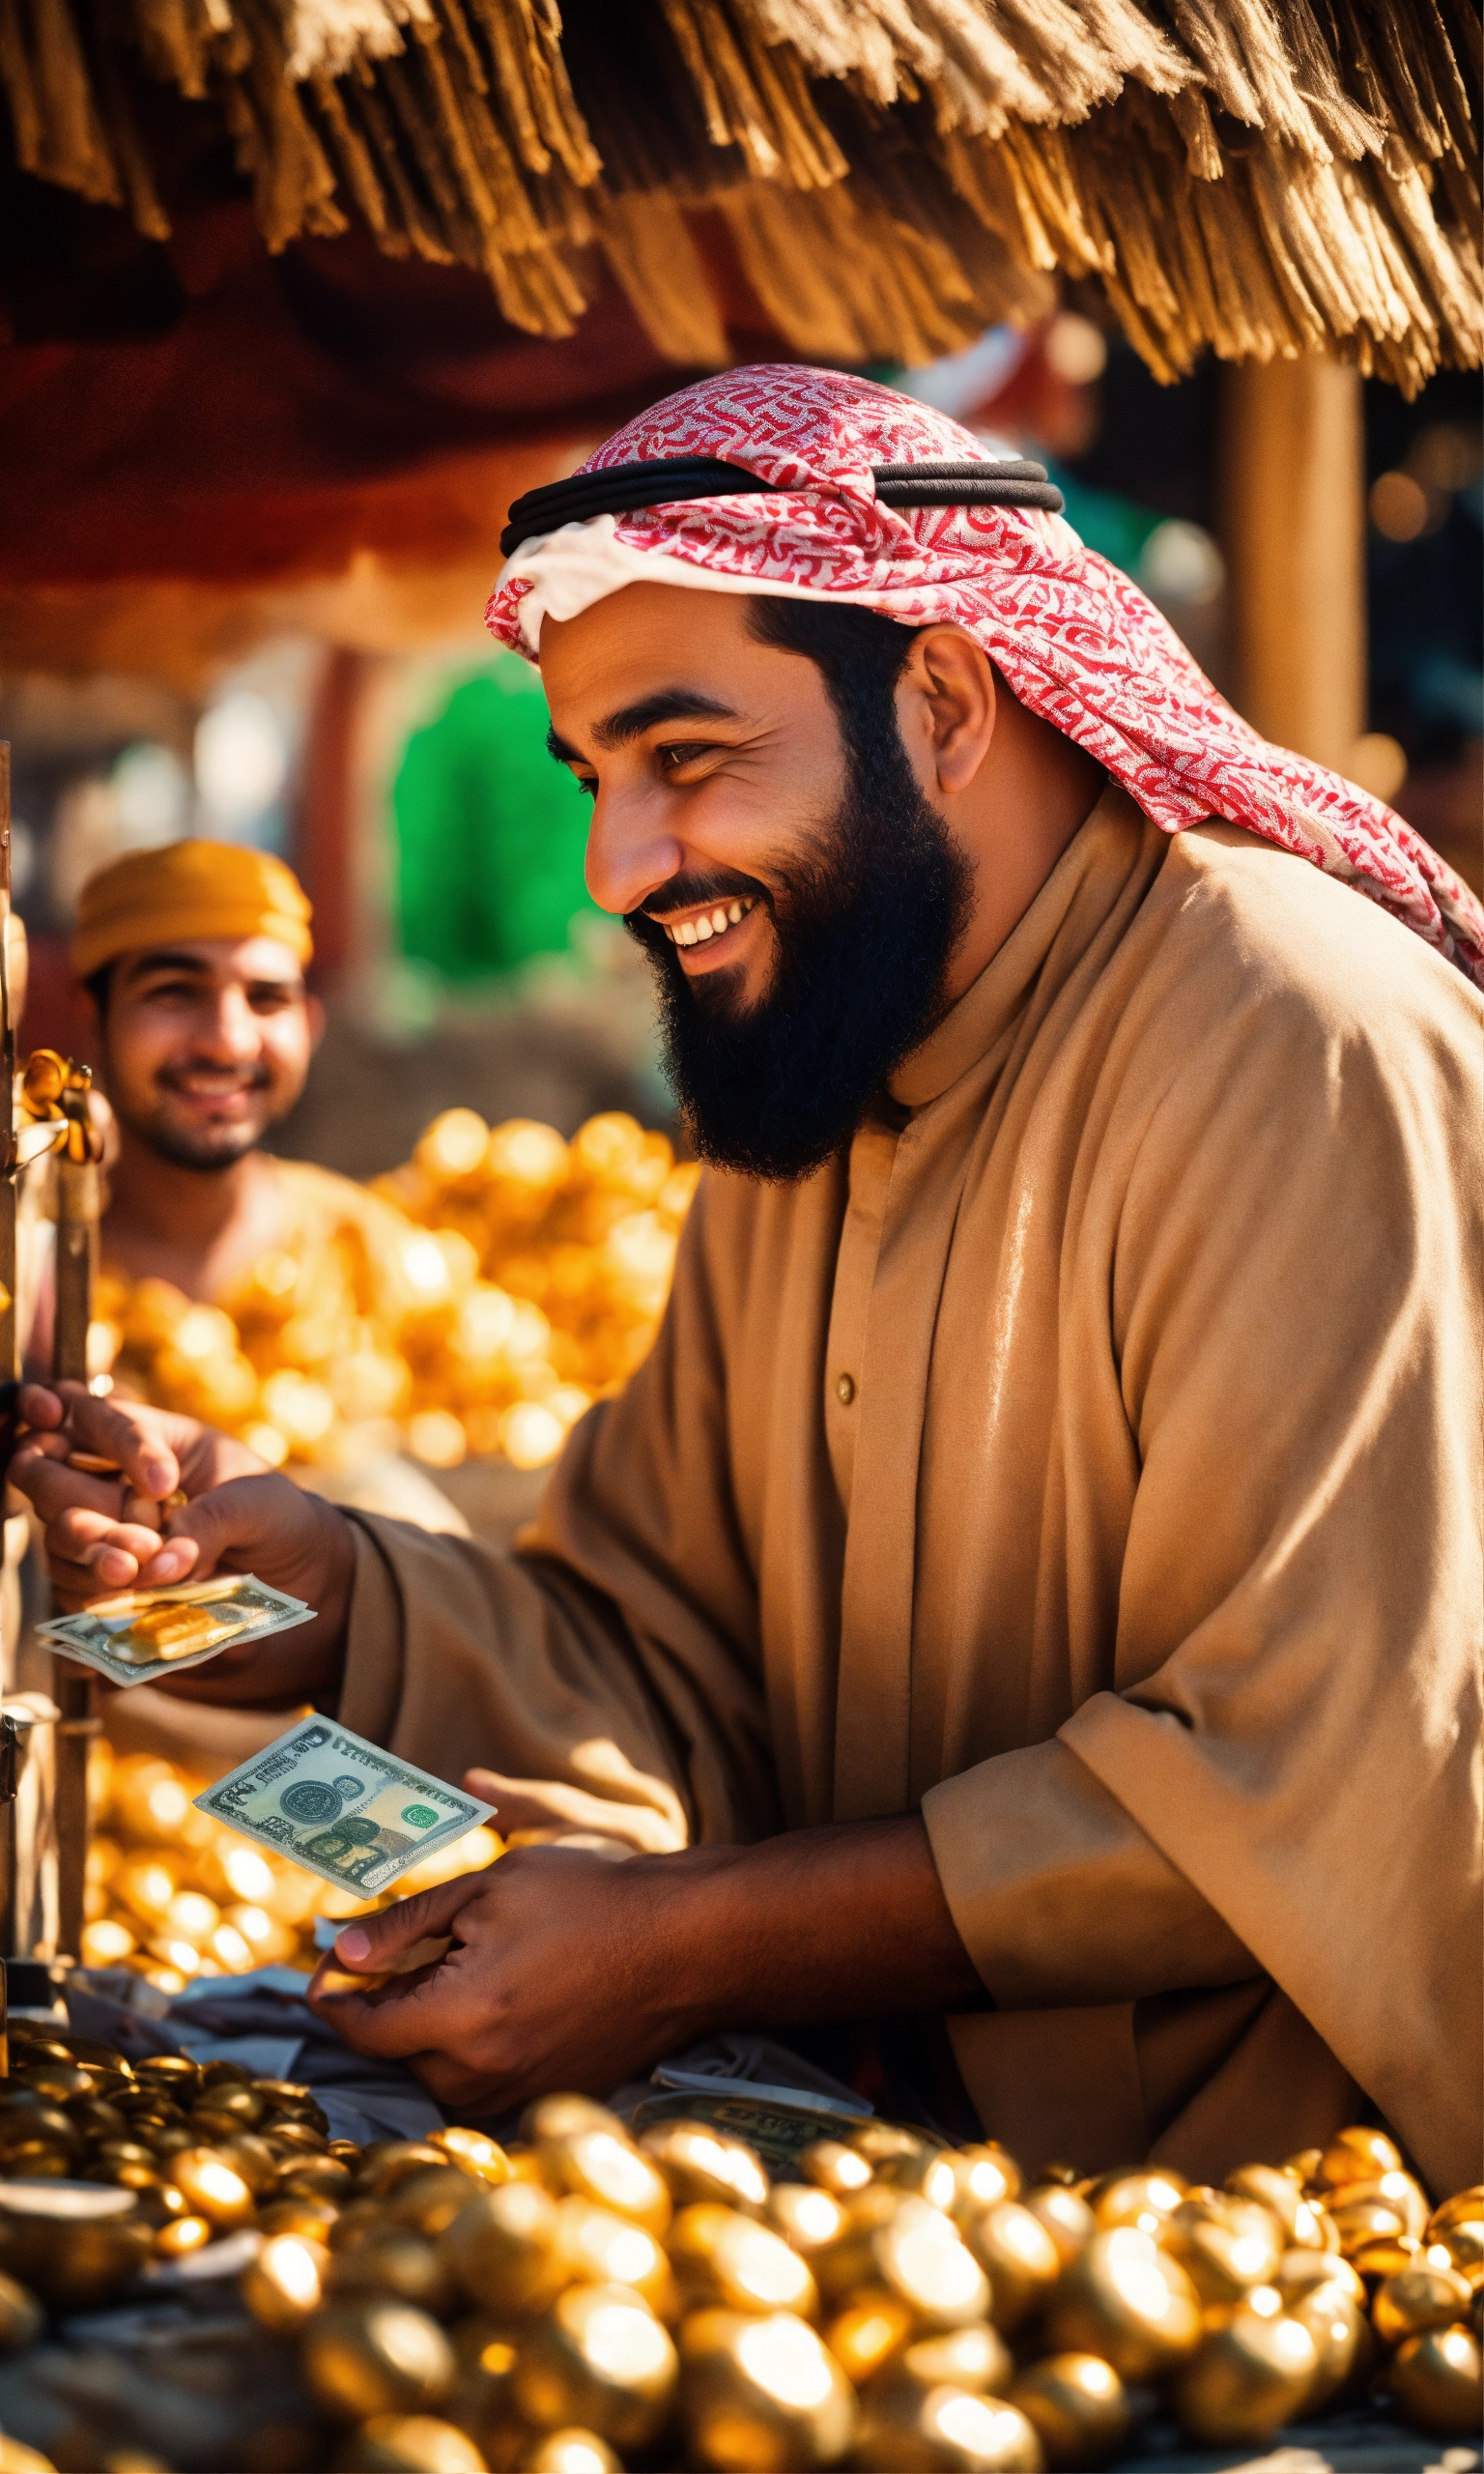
(1141, 1552)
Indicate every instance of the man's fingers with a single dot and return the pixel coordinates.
(39, 1406)
(116, 1430)
(395, 2021)
(88, 1553)
(376, 1942)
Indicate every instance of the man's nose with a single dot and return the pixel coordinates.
(228, 1030)
(632, 848)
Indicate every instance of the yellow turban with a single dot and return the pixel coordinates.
(185, 891)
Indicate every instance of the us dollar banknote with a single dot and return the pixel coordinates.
(341, 1807)
(144, 1633)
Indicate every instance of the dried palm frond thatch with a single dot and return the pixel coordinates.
(1263, 177)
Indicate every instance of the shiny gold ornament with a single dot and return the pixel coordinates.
(505, 2251)
(563, 2117)
(1398, 2190)
(1143, 2200)
(879, 2143)
(427, 2203)
(1335, 2318)
(284, 2286)
(1300, 2272)
(168, 2074)
(570, 2452)
(1077, 2408)
(1356, 2155)
(1419, 2298)
(1067, 2218)
(1462, 2243)
(1283, 2196)
(312, 2218)
(761, 2395)
(397, 2264)
(1125, 2300)
(907, 2429)
(1434, 2381)
(606, 2166)
(600, 2248)
(214, 2187)
(123, 2162)
(1252, 2372)
(600, 2359)
(1464, 2207)
(834, 2168)
(931, 2174)
(483, 2158)
(407, 2444)
(319, 2177)
(1368, 2221)
(254, 2160)
(22, 2317)
(181, 2235)
(1022, 2262)
(729, 2260)
(386, 2162)
(868, 2332)
(983, 2173)
(1385, 2256)
(76, 2248)
(38, 2142)
(1226, 2246)
(808, 2220)
(376, 2357)
(699, 2163)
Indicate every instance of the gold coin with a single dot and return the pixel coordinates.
(1143, 2200)
(600, 2248)
(214, 2187)
(504, 2249)
(699, 2163)
(571, 2452)
(179, 2235)
(729, 2260)
(376, 2357)
(1125, 2300)
(868, 2332)
(904, 2428)
(834, 2168)
(1020, 2257)
(606, 2166)
(478, 2155)
(1067, 2218)
(1077, 2407)
(407, 2444)
(599, 2359)
(1252, 2372)
(1417, 2299)
(761, 2393)
(284, 2286)
(1434, 2380)
(399, 2264)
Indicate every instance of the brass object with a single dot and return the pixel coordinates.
(1463, 2242)
(932, 2174)
(1356, 2155)
(252, 2157)
(834, 2168)
(427, 2203)
(1396, 2191)
(22, 2317)
(564, 2116)
(125, 2162)
(1226, 2246)
(1434, 2381)
(1141, 2200)
(880, 2142)
(1366, 2221)
(376, 2357)
(1463, 2206)
(976, 2358)
(565, 2453)
(399, 2264)
(1020, 2259)
(504, 2249)
(386, 2162)
(699, 2163)
(761, 2394)
(606, 2166)
(985, 2172)
(600, 2248)
(1335, 2318)
(215, 2188)
(407, 2444)
(1279, 2191)
(480, 2156)
(75, 2246)
(919, 2255)
(868, 2333)
(317, 2177)
(1419, 2298)
(599, 2359)
(1077, 2407)
(1299, 2272)
(1252, 2372)
(179, 2235)
(806, 2218)
(1067, 2218)
(1125, 2300)
(729, 2260)
(284, 2286)
(906, 2430)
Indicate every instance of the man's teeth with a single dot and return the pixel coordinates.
(707, 924)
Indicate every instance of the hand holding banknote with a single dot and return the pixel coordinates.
(239, 1516)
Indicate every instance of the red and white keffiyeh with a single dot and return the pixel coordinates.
(1073, 638)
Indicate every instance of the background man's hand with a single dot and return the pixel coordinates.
(104, 1534)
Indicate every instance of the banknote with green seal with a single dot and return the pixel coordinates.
(142, 1634)
(341, 1807)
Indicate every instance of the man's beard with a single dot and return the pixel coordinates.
(865, 931)
(207, 1150)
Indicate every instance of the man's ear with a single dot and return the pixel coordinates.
(947, 686)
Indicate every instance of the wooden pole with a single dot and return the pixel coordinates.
(76, 1261)
(10, 1368)
(1294, 518)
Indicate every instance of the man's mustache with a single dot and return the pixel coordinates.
(689, 892)
(252, 1077)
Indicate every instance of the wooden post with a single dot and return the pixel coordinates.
(1294, 518)
(78, 1213)
(10, 1364)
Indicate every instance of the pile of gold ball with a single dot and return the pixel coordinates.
(583, 2298)
(523, 1278)
(174, 1895)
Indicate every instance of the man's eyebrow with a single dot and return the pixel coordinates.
(631, 721)
(162, 959)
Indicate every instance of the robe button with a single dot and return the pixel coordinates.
(845, 1389)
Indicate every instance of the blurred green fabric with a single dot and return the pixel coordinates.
(490, 832)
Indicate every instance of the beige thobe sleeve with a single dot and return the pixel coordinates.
(613, 1660)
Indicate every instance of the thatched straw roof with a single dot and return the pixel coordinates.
(1260, 176)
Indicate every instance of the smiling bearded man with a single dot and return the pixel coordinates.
(1033, 1585)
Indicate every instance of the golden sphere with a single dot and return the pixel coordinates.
(761, 2395)
(808, 2220)
(1140, 2200)
(284, 2286)
(386, 2162)
(214, 2187)
(1300, 2272)
(1416, 2300)
(975, 2358)
(868, 2332)
(376, 2357)
(560, 2117)
(182, 2235)
(834, 2168)
(1252, 2371)
(904, 2428)
(878, 2141)
(1065, 2217)
(1398, 2190)
(1283, 2196)
(1226, 2246)
(985, 2173)
(731, 2261)
(599, 2359)
(504, 2252)
(600, 2248)
(478, 2155)
(1367, 2220)
(699, 2163)
(1463, 2242)
(606, 2166)
(570, 2452)
(1463, 2207)
(1125, 2300)
(407, 2444)
(1342, 2336)
(1436, 2382)
(428, 2202)
(932, 2174)
(312, 2218)
(74, 2260)
(1079, 2408)
(1020, 2259)
(1356, 2155)
(398, 2265)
